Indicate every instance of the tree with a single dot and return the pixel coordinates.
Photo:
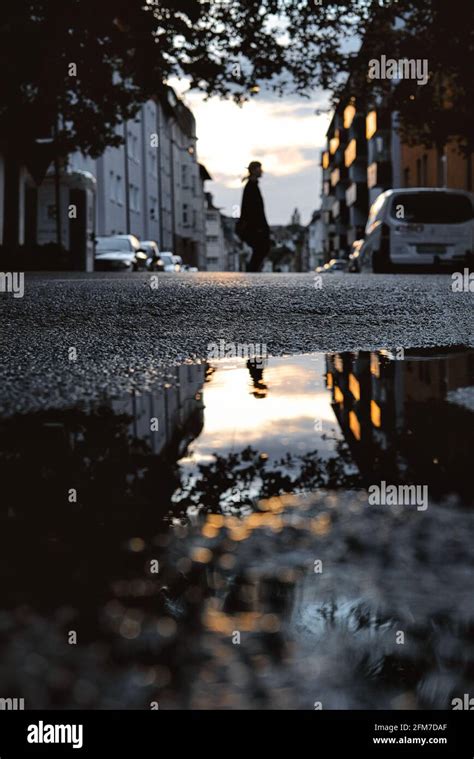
(74, 69)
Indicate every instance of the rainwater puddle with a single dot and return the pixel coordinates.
(283, 534)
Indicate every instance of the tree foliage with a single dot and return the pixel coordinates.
(124, 50)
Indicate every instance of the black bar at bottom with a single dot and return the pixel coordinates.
(324, 734)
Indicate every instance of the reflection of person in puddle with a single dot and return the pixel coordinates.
(255, 367)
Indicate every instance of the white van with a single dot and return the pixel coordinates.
(418, 226)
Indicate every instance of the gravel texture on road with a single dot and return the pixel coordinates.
(125, 332)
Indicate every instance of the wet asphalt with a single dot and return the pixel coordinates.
(79, 337)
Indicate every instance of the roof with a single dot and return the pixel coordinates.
(204, 173)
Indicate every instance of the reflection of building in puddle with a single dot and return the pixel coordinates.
(176, 408)
(398, 416)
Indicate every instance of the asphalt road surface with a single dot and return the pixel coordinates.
(74, 337)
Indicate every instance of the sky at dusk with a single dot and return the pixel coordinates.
(284, 134)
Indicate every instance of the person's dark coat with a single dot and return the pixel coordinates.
(253, 227)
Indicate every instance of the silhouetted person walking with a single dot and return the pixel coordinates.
(252, 226)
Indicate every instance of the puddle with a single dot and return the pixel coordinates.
(212, 544)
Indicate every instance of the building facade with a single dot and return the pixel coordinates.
(216, 258)
(315, 241)
(151, 186)
(364, 156)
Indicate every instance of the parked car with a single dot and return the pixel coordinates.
(188, 268)
(178, 262)
(167, 259)
(354, 256)
(150, 247)
(140, 254)
(118, 253)
(418, 226)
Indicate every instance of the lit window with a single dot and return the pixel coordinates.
(375, 414)
(350, 153)
(354, 425)
(349, 113)
(371, 124)
(354, 387)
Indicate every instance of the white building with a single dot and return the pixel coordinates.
(216, 250)
(316, 233)
(151, 186)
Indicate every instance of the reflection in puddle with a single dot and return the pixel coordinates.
(212, 545)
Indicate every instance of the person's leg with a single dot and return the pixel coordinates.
(260, 250)
(253, 264)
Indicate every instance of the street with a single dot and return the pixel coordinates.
(224, 533)
(76, 337)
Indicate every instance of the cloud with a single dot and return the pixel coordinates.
(285, 134)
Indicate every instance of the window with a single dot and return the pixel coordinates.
(442, 170)
(118, 190)
(153, 162)
(406, 177)
(184, 176)
(111, 185)
(434, 207)
(134, 197)
(132, 146)
(424, 170)
(185, 214)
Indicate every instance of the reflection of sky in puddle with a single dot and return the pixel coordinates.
(281, 419)
(316, 582)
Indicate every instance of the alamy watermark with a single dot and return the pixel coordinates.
(404, 68)
(12, 282)
(399, 495)
(46, 733)
(12, 704)
(466, 703)
(462, 281)
(256, 352)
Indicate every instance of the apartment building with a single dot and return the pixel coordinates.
(216, 258)
(151, 186)
(364, 156)
(362, 159)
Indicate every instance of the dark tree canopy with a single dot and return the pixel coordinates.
(125, 49)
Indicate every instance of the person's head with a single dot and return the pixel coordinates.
(255, 170)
